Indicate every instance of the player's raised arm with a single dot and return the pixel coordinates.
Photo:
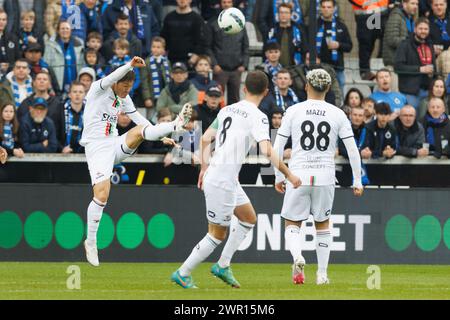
(120, 72)
(205, 150)
(267, 150)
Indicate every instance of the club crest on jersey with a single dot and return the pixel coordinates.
(387, 135)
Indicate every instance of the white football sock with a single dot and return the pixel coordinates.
(237, 235)
(155, 132)
(200, 252)
(94, 215)
(323, 247)
(293, 240)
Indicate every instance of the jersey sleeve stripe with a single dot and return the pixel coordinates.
(121, 147)
(131, 112)
(100, 84)
(282, 135)
(347, 137)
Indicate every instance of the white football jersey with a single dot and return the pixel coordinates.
(315, 127)
(239, 126)
(103, 107)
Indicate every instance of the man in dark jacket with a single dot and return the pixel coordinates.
(184, 31)
(209, 109)
(382, 137)
(437, 128)
(359, 132)
(144, 23)
(9, 44)
(439, 25)
(415, 63)
(411, 134)
(122, 30)
(229, 55)
(332, 39)
(37, 132)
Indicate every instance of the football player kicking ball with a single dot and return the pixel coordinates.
(315, 126)
(106, 99)
(235, 129)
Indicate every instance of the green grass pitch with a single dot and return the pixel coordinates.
(23, 280)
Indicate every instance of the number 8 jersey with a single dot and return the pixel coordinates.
(315, 127)
(238, 126)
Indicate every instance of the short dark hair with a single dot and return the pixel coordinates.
(422, 20)
(383, 108)
(74, 84)
(21, 60)
(129, 77)
(287, 5)
(365, 100)
(334, 2)
(122, 16)
(285, 71)
(94, 35)
(256, 82)
(382, 70)
(272, 45)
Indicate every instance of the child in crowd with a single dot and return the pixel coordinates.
(91, 58)
(121, 56)
(27, 32)
(9, 129)
(203, 77)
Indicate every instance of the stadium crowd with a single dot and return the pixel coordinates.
(51, 52)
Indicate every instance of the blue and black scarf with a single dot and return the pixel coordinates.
(68, 115)
(297, 15)
(135, 19)
(70, 64)
(433, 123)
(8, 138)
(271, 70)
(154, 72)
(360, 143)
(117, 62)
(16, 93)
(442, 24)
(280, 100)
(320, 34)
(296, 40)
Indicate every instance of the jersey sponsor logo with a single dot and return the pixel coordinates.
(315, 112)
(211, 214)
(265, 120)
(109, 118)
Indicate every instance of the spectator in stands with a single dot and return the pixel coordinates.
(122, 31)
(171, 5)
(37, 131)
(179, 91)
(65, 55)
(212, 8)
(268, 14)
(91, 58)
(156, 76)
(184, 31)
(368, 30)
(298, 75)
(33, 54)
(359, 132)
(9, 129)
(9, 44)
(369, 109)
(290, 36)
(55, 11)
(275, 120)
(86, 77)
(437, 128)
(382, 137)
(271, 65)
(283, 96)
(229, 55)
(142, 19)
(73, 119)
(95, 42)
(18, 84)
(415, 63)
(208, 110)
(437, 90)
(89, 19)
(439, 26)
(411, 134)
(202, 78)
(399, 26)
(332, 39)
(41, 89)
(443, 63)
(15, 8)
(28, 32)
(353, 98)
(384, 93)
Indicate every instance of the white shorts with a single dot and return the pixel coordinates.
(220, 203)
(103, 154)
(299, 203)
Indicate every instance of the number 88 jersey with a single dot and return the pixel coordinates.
(315, 127)
(238, 126)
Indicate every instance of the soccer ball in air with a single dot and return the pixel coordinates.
(231, 21)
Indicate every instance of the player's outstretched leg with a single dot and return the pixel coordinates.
(323, 247)
(201, 251)
(239, 228)
(293, 241)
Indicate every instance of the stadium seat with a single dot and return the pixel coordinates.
(365, 89)
(255, 46)
(353, 65)
(253, 62)
(376, 64)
